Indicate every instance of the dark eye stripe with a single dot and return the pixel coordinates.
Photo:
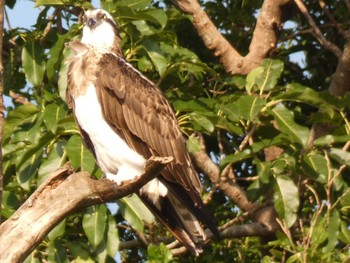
(115, 28)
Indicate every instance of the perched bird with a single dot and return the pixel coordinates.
(124, 120)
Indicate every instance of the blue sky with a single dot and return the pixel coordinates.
(24, 13)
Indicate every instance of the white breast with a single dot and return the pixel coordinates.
(112, 153)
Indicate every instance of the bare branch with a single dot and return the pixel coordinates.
(59, 196)
(263, 41)
(316, 31)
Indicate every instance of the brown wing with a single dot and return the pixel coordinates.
(138, 112)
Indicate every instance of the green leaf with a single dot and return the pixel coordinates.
(79, 155)
(200, 104)
(79, 251)
(57, 252)
(22, 114)
(333, 231)
(33, 62)
(290, 197)
(265, 77)
(251, 78)
(340, 155)
(330, 139)
(54, 160)
(155, 16)
(236, 157)
(315, 165)
(250, 106)
(53, 113)
(159, 254)
(193, 144)
(273, 69)
(249, 151)
(58, 230)
(344, 235)
(156, 54)
(63, 74)
(48, 2)
(202, 121)
(299, 93)
(286, 124)
(135, 212)
(94, 224)
(134, 4)
(112, 237)
(28, 168)
(10, 203)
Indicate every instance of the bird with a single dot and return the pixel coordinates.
(125, 119)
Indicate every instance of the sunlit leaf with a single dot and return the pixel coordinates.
(287, 125)
(33, 62)
(290, 197)
(112, 237)
(135, 212)
(53, 114)
(22, 114)
(316, 166)
(333, 231)
(156, 55)
(193, 144)
(94, 224)
(159, 253)
(28, 169)
(340, 155)
(250, 106)
(79, 155)
(202, 121)
(58, 230)
(80, 251)
(52, 162)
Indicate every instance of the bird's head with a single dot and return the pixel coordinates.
(100, 31)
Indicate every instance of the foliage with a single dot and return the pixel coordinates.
(240, 118)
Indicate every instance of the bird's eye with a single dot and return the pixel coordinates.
(104, 17)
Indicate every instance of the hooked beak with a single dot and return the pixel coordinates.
(91, 22)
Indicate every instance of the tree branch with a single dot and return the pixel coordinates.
(262, 214)
(341, 77)
(264, 38)
(2, 107)
(60, 195)
(317, 32)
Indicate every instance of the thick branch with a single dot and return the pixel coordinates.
(59, 196)
(264, 38)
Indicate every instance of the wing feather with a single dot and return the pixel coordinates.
(138, 111)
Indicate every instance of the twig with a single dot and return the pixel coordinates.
(317, 32)
(234, 221)
(247, 138)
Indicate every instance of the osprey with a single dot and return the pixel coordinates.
(124, 120)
